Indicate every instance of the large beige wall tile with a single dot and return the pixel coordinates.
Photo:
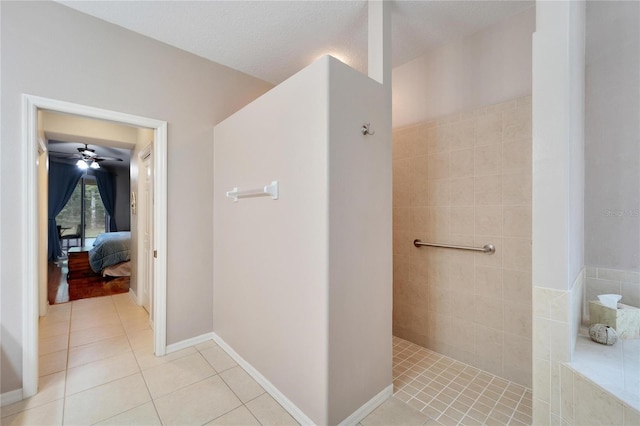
(488, 190)
(594, 406)
(461, 163)
(488, 160)
(488, 282)
(489, 129)
(517, 156)
(516, 221)
(517, 286)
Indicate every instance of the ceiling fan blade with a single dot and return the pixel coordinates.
(100, 158)
(64, 155)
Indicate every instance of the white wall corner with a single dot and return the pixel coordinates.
(286, 403)
(577, 305)
(368, 407)
(174, 347)
(379, 37)
(10, 397)
(134, 297)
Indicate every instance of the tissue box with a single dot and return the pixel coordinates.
(625, 320)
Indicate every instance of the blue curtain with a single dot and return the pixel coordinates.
(63, 179)
(107, 188)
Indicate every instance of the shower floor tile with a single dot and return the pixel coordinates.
(454, 393)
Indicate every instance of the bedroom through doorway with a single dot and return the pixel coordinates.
(37, 149)
(90, 175)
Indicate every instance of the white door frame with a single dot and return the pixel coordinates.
(30, 313)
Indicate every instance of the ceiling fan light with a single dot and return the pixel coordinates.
(94, 165)
(82, 165)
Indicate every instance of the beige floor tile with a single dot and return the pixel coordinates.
(99, 313)
(105, 401)
(198, 403)
(169, 377)
(204, 345)
(49, 414)
(56, 313)
(123, 299)
(91, 352)
(136, 324)
(147, 359)
(140, 340)
(52, 344)
(95, 334)
(131, 312)
(100, 372)
(50, 388)
(242, 384)
(269, 412)
(53, 329)
(143, 415)
(394, 412)
(92, 303)
(218, 358)
(52, 363)
(92, 320)
(238, 417)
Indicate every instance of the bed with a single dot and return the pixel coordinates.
(111, 254)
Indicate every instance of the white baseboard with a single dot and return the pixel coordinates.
(10, 397)
(134, 297)
(189, 342)
(286, 403)
(368, 407)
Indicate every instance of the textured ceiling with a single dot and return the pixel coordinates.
(272, 40)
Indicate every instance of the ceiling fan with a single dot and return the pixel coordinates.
(87, 157)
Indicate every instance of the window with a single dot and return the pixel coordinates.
(84, 209)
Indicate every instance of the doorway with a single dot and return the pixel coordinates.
(31, 274)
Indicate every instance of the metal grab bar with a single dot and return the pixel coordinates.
(488, 248)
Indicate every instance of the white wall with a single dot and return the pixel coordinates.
(489, 67)
(558, 194)
(360, 242)
(52, 51)
(302, 285)
(613, 135)
(558, 145)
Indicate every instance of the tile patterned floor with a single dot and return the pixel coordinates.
(454, 393)
(97, 367)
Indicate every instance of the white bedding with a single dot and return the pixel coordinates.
(122, 269)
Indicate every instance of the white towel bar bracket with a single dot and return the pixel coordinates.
(268, 190)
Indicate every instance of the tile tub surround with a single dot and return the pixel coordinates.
(466, 179)
(616, 368)
(586, 403)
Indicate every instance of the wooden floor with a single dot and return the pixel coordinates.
(60, 290)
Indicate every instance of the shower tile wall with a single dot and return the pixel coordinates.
(466, 179)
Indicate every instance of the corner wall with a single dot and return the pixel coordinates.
(302, 284)
(558, 191)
